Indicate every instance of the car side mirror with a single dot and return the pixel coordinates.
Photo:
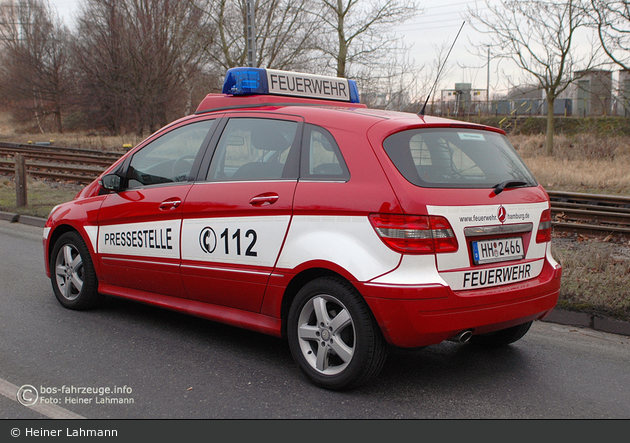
(111, 182)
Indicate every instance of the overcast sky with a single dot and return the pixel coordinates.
(436, 26)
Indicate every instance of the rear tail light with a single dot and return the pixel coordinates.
(415, 234)
(544, 228)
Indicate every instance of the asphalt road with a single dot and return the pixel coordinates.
(168, 365)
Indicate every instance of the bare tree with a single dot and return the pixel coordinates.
(139, 59)
(395, 86)
(284, 32)
(35, 74)
(539, 37)
(612, 19)
(103, 65)
(359, 33)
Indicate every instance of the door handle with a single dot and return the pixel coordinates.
(169, 205)
(268, 198)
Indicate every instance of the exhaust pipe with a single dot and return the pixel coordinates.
(462, 337)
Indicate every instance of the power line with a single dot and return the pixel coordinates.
(416, 24)
(448, 5)
(425, 19)
(431, 25)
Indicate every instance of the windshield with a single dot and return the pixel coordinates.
(456, 158)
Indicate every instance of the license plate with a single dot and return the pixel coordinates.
(497, 250)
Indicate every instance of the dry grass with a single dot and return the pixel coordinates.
(581, 163)
(12, 133)
(595, 277)
(42, 196)
(596, 274)
(81, 140)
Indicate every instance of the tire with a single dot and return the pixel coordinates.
(333, 336)
(503, 337)
(72, 273)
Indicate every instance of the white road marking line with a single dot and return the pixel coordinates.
(9, 390)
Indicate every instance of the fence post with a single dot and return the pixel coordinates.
(20, 180)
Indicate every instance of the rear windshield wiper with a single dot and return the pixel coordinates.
(508, 184)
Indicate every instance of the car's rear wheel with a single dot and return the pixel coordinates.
(333, 336)
(72, 273)
(503, 337)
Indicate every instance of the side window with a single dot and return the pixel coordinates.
(254, 149)
(321, 157)
(169, 158)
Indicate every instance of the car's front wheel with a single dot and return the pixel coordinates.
(72, 273)
(333, 336)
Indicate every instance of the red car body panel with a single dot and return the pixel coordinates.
(254, 294)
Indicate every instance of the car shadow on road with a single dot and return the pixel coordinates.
(165, 324)
(458, 366)
(450, 366)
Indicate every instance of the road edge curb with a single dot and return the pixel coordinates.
(24, 219)
(591, 321)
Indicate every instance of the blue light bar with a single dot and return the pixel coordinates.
(248, 81)
(245, 81)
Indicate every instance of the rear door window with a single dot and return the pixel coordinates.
(255, 149)
(321, 157)
(456, 158)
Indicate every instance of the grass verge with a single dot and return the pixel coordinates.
(580, 163)
(595, 276)
(41, 196)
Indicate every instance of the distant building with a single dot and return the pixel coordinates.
(463, 100)
(624, 93)
(561, 106)
(531, 100)
(593, 93)
(525, 100)
(525, 92)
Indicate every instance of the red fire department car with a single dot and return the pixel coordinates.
(287, 207)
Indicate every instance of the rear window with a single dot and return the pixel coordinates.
(456, 158)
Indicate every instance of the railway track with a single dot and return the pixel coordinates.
(52, 162)
(589, 214)
(44, 151)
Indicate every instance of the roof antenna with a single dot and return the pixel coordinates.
(421, 113)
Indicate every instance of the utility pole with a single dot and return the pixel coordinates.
(20, 181)
(251, 33)
(488, 84)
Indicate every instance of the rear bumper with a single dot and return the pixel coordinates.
(415, 316)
